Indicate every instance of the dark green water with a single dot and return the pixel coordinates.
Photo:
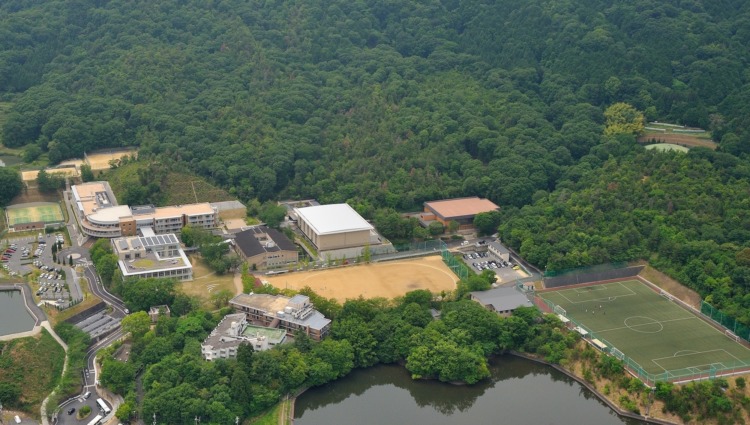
(13, 314)
(519, 392)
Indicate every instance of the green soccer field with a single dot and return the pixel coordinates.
(666, 340)
(50, 213)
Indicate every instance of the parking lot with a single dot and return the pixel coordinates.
(506, 271)
(33, 255)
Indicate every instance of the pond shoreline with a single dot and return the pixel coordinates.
(616, 409)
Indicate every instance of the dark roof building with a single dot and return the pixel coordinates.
(502, 300)
(265, 247)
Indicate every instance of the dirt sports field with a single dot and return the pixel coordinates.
(100, 160)
(388, 279)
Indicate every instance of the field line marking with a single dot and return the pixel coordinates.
(651, 323)
(690, 354)
(629, 289)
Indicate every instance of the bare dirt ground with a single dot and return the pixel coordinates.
(672, 286)
(34, 195)
(234, 223)
(100, 160)
(678, 139)
(388, 279)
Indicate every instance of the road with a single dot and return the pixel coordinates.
(90, 378)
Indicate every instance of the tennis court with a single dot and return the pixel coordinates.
(47, 212)
(649, 330)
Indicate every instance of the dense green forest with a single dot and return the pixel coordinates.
(379, 103)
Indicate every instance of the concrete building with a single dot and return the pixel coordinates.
(100, 215)
(498, 250)
(503, 300)
(233, 331)
(266, 248)
(335, 226)
(460, 210)
(158, 310)
(277, 311)
(152, 255)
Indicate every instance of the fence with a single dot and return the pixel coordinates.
(727, 322)
(601, 272)
(650, 379)
(458, 266)
(429, 246)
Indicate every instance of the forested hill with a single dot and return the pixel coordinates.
(386, 104)
(383, 103)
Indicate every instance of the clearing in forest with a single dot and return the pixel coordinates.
(677, 135)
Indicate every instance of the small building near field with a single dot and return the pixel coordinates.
(503, 300)
(335, 226)
(499, 250)
(233, 331)
(280, 312)
(266, 248)
(460, 210)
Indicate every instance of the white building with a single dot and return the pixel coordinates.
(152, 255)
(333, 226)
(100, 215)
(233, 331)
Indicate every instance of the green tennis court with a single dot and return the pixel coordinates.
(47, 212)
(665, 340)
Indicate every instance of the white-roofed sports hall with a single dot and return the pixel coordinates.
(334, 226)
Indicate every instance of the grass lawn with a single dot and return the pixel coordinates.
(143, 262)
(667, 341)
(205, 282)
(35, 365)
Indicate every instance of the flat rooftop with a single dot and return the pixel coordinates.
(333, 218)
(271, 304)
(503, 298)
(274, 335)
(461, 207)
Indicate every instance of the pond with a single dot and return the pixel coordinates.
(519, 392)
(14, 317)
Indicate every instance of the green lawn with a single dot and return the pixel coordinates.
(655, 334)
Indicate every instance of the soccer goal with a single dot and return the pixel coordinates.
(731, 335)
(560, 310)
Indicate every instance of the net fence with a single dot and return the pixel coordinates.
(598, 273)
(726, 321)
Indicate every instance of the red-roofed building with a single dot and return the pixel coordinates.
(461, 210)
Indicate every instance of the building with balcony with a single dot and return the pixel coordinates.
(100, 216)
(280, 312)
